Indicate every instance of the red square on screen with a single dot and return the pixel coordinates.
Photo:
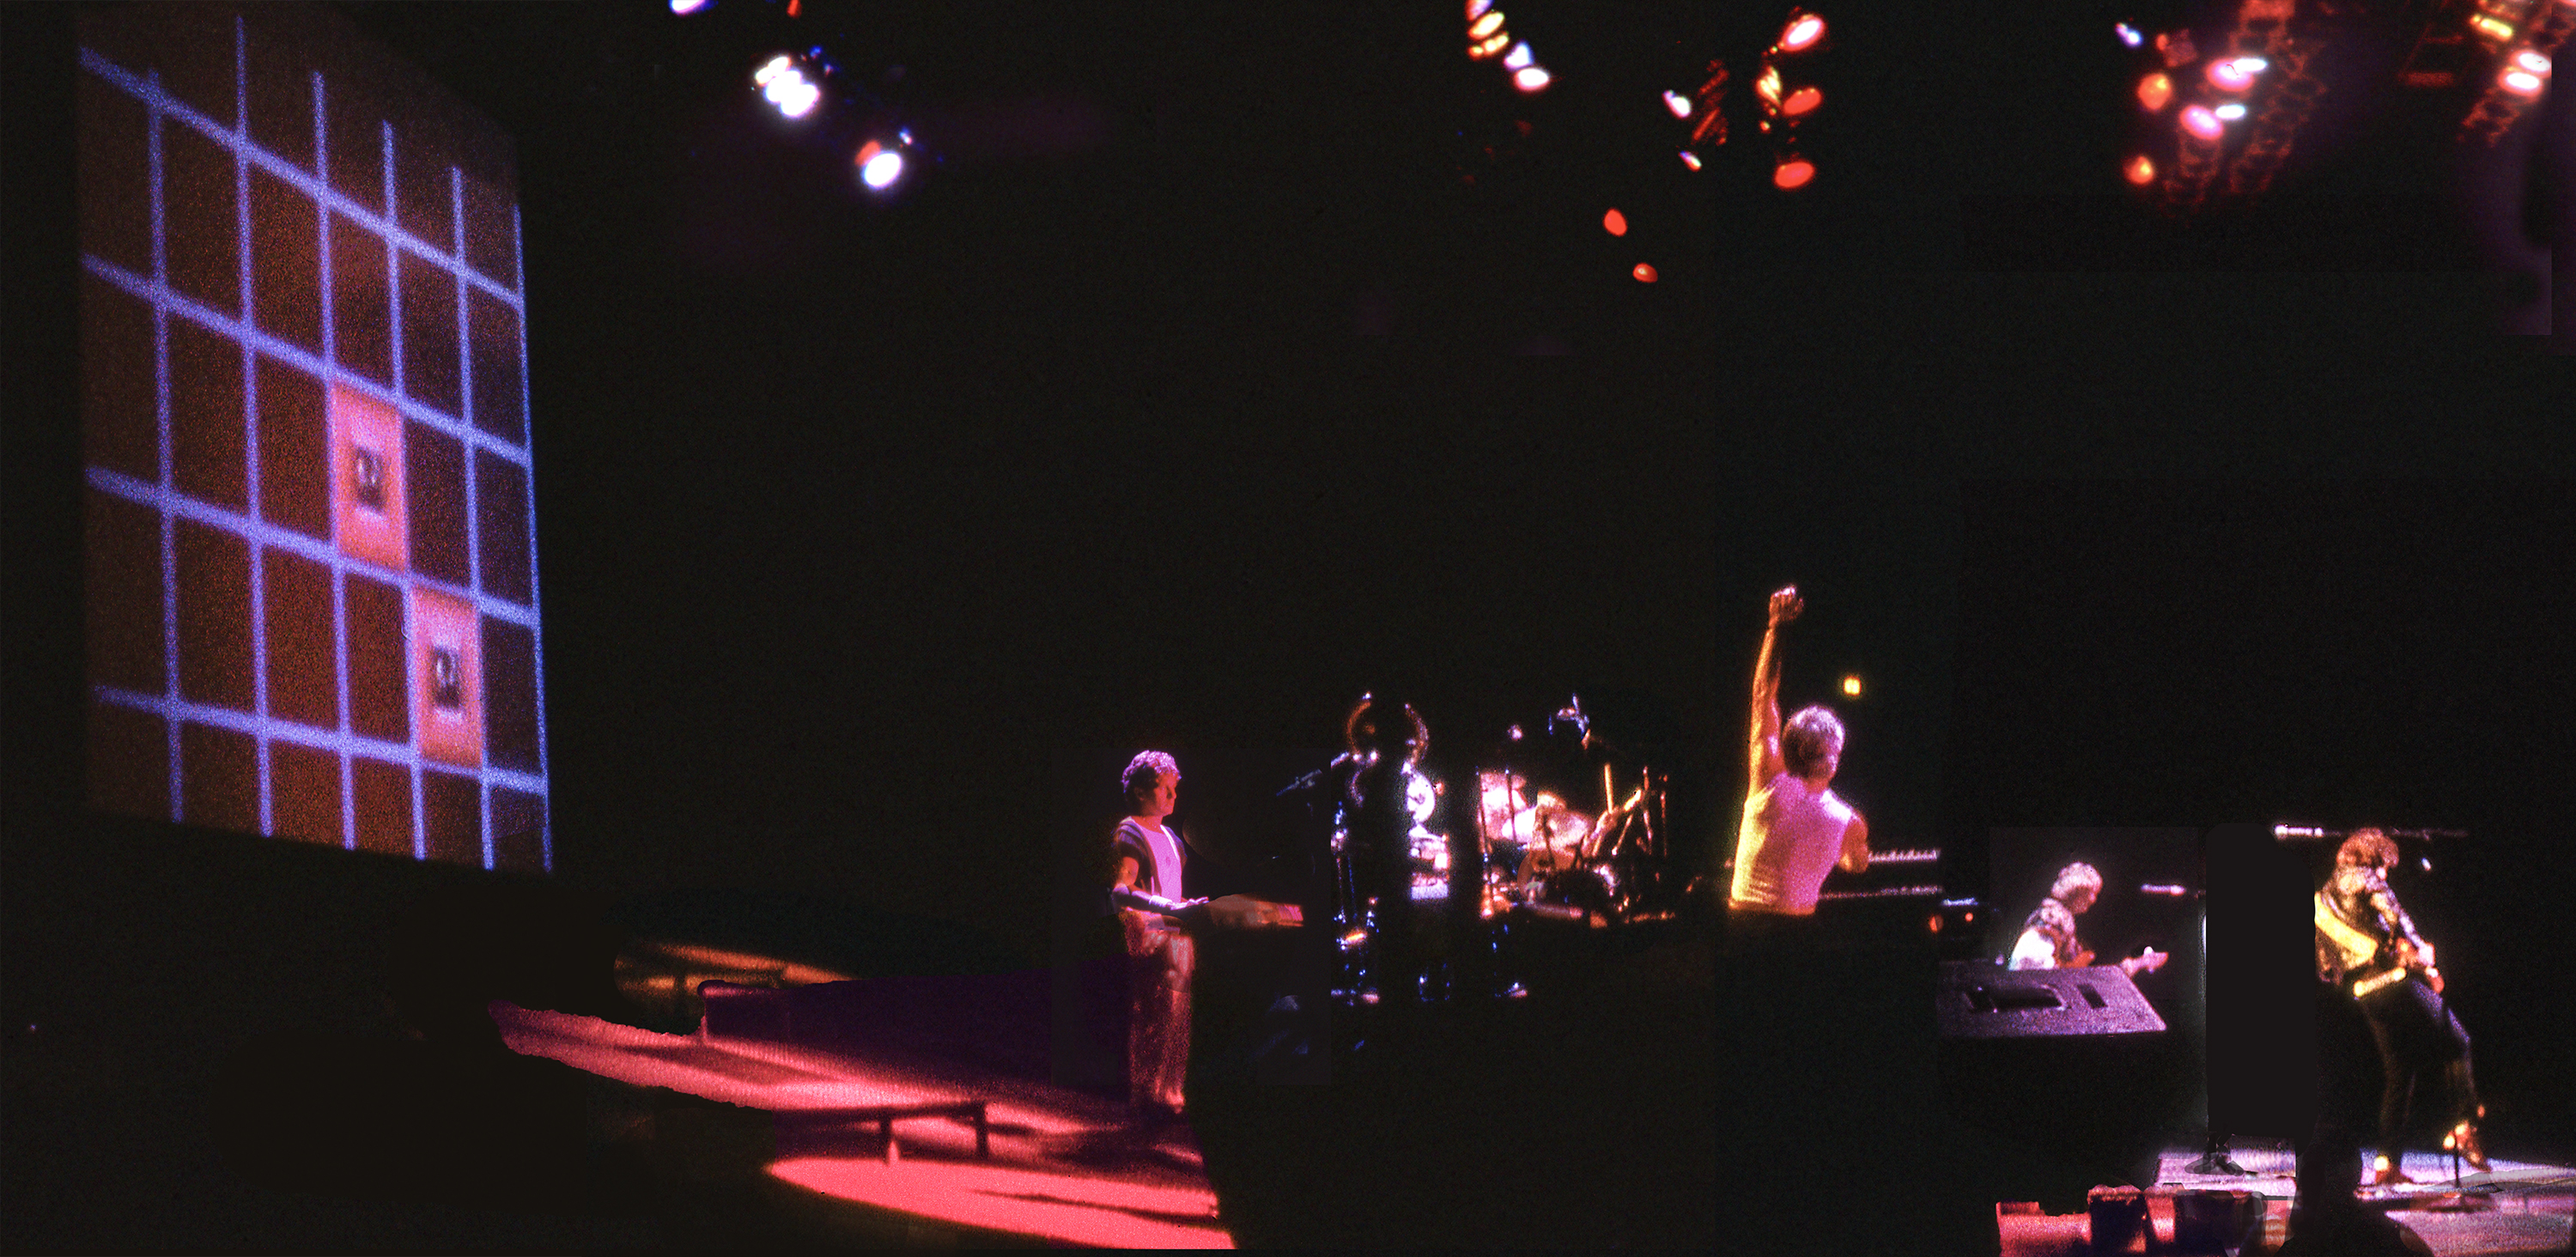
(367, 503)
(447, 678)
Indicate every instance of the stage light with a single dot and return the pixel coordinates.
(1615, 223)
(1488, 47)
(1485, 26)
(2520, 82)
(2140, 170)
(1645, 274)
(1532, 80)
(2202, 122)
(1851, 687)
(2532, 61)
(782, 84)
(1768, 87)
(1678, 103)
(879, 167)
(1793, 173)
(1801, 101)
(687, 7)
(1476, 8)
(2127, 35)
(2492, 27)
(2236, 75)
(1518, 58)
(1801, 33)
(2154, 90)
(2229, 112)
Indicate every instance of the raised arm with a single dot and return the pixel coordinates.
(1762, 761)
(1855, 857)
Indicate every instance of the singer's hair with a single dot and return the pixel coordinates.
(1143, 771)
(1811, 736)
(2367, 848)
(2074, 877)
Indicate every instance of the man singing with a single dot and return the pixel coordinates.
(1795, 830)
(2368, 948)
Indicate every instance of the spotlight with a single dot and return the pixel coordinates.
(879, 166)
(2201, 122)
(1645, 274)
(1851, 687)
(1487, 47)
(782, 84)
(1793, 172)
(1678, 103)
(2154, 90)
(1532, 79)
(2492, 28)
(2140, 170)
(2229, 112)
(1801, 101)
(1486, 25)
(687, 7)
(1518, 58)
(2520, 82)
(2236, 75)
(1802, 32)
(2532, 62)
(1615, 223)
(1690, 159)
(2128, 35)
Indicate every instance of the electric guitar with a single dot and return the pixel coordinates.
(2148, 960)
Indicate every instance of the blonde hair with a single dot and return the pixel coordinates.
(2074, 877)
(2367, 848)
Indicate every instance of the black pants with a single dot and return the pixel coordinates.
(2417, 1035)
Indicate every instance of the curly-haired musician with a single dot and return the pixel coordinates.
(2367, 947)
(1147, 895)
(1795, 830)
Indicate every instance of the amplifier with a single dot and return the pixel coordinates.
(1979, 999)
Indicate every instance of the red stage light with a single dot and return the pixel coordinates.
(1802, 32)
(2203, 123)
(1801, 101)
(1615, 223)
(2230, 76)
(2154, 90)
(2139, 169)
(1794, 173)
(1645, 274)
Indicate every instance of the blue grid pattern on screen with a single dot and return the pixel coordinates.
(510, 797)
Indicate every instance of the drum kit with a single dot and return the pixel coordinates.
(1546, 858)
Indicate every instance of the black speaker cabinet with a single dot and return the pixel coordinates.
(1980, 999)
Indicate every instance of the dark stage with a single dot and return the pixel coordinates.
(792, 564)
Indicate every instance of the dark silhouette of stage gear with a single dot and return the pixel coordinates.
(1380, 804)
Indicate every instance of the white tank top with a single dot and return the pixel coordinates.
(1790, 838)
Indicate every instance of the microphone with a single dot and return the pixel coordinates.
(2289, 833)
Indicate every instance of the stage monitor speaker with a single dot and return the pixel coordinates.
(1979, 999)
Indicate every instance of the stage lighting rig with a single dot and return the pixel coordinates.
(1487, 38)
(1785, 84)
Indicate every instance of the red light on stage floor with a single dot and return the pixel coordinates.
(2202, 122)
(2154, 90)
(1801, 101)
(1645, 274)
(2140, 170)
(1615, 223)
(1794, 173)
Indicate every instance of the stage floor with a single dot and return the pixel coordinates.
(2529, 1206)
(1064, 1167)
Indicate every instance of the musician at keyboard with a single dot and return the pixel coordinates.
(2048, 938)
(1795, 830)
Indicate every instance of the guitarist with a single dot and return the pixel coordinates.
(2048, 938)
(2368, 947)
